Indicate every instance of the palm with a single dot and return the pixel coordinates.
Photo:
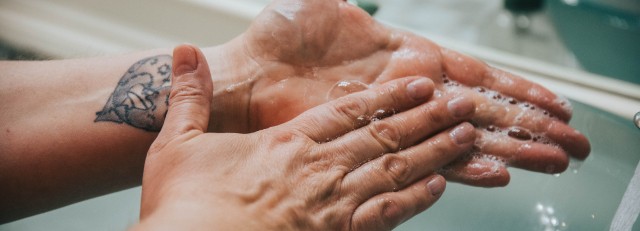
(306, 49)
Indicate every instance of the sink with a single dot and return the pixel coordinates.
(604, 35)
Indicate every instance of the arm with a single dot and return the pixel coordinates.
(75, 129)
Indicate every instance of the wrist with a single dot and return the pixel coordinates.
(184, 212)
(233, 73)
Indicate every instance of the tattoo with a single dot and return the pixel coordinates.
(141, 98)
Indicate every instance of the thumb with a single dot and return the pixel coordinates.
(191, 95)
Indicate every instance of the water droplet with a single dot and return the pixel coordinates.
(520, 133)
(491, 128)
(550, 210)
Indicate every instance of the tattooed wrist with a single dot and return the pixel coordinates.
(141, 97)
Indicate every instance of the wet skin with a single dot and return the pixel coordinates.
(302, 53)
(346, 174)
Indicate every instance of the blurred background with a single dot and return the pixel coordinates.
(588, 50)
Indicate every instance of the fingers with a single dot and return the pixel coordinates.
(472, 72)
(481, 171)
(348, 113)
(527, 155)
(571, 140)
(387, 211)
(391, 172)
(401, 130)
(191, 93)
(528, 124)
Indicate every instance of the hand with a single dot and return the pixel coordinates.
(304, 53)
(344, 165)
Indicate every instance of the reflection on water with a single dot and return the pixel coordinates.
(548, 219)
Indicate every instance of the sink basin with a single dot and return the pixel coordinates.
(604, 35)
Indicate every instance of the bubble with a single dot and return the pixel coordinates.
(520, 133)
(380, 114)
(361, 121)
(346, 87)
(491, 128)
(564, 103)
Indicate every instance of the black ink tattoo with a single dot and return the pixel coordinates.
(141, 98)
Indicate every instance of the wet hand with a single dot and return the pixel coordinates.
(346, 165)
(311, 52)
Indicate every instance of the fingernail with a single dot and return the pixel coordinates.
(461, 107)
(419, 89)
(463, 134)
(436, 186)
(185, 59)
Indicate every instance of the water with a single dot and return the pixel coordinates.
(585, 197)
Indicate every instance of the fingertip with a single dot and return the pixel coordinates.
(583, 150)
(191, 93)
(420, 88)
(436, 185)
(477, 172)
(185, 59)
(571, 140)
(540, 158)
(461, 107)
(463, 134)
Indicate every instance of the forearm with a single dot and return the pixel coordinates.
(75, 129)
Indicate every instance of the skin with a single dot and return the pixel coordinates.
(287, 62)
(299, 51)
(348, 174)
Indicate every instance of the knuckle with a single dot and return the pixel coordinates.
(393, 91)
(397, 168)
(387, 135)
(185, 91)
(351, 107)
(391, 212)
(432, 113)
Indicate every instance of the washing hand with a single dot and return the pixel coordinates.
(339, 166)
(304, 53)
